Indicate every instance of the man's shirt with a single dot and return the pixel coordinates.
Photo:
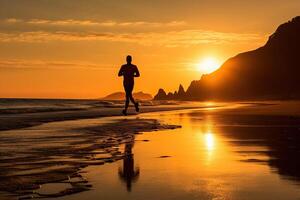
(129, 71)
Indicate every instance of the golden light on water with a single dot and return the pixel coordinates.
(209, 146)
(208, 65)
(209, 141)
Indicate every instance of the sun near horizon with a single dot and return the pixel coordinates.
(208, 65)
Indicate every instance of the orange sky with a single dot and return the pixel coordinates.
(74, 48)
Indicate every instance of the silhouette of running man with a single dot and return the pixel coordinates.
(129, 71)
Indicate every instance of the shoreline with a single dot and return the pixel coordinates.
(26, 120)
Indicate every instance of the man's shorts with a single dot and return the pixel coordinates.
(128, 86)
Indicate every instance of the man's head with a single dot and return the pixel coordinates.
(129, 59)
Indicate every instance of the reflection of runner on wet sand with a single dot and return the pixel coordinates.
(128, 173)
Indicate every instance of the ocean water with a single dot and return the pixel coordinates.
(15, 106)
(19, 106)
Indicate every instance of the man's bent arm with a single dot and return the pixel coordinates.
(120, 72)
(137, 73)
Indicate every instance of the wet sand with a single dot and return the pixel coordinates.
(245, 152)
(54, 153)
(205, 159)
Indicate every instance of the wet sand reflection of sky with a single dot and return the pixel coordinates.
(212, 156)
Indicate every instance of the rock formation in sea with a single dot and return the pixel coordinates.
(178, 95)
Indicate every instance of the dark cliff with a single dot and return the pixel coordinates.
(269, 72)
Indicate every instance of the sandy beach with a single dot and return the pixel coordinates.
(66, 159)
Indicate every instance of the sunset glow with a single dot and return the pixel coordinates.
(74, 49)
(208, 65)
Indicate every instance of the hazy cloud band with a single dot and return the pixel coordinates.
(111, 23)
(168, 39)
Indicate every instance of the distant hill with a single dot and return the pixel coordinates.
(269, 72)
(121, 96)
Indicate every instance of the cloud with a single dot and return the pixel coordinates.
(17, 64)
(13, 20)
(182, 37)
(168, 39)
(72, 22)
(40, 64)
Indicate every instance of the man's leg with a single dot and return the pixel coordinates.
(131, 98)
(128, 89)
(136, 104)
(126, 104)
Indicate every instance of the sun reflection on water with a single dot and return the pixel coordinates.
(209, 141)
(209, 146)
